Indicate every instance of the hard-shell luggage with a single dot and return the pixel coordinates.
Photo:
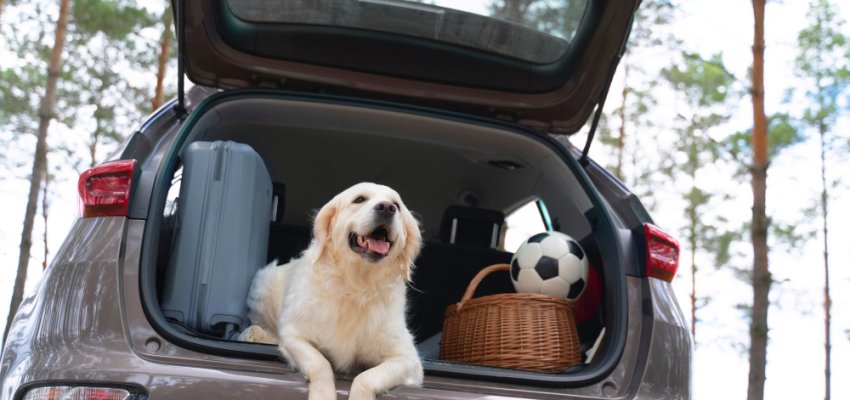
(224, 211)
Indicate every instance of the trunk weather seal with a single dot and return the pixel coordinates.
(616, 306)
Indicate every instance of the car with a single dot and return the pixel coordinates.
(469, 114)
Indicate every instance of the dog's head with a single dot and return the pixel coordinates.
(368, 223)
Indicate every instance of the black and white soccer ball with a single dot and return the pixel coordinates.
(550, 263)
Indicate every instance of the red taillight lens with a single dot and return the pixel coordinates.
(105, 190)
(662, 253)
(76, 393)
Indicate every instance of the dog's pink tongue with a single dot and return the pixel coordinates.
(378, 246)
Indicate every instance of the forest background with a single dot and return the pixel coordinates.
(677, 127)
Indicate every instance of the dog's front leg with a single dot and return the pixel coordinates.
(313, 364)
(394, 371)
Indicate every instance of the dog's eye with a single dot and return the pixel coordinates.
(398, 207)
(359, 199)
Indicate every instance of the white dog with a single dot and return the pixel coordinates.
(341, 304)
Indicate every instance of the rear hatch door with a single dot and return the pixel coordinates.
(541, 63)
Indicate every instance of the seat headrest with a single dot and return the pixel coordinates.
(470, 226)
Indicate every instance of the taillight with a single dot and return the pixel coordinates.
(105, 189)
(77, 393)
(662, 253)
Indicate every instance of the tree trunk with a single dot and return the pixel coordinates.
(45, 114)
(824, 203)
(761, 275)
(827, 300)
(164, 48)
(693, 242)
(692, 167)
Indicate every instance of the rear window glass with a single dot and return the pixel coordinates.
(524, 222)
(539, 31)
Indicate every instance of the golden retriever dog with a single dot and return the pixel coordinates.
(341, 304)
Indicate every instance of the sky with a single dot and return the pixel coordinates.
(795, 353)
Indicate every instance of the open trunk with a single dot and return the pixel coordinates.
(454, 171)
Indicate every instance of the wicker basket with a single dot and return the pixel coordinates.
(525, 331)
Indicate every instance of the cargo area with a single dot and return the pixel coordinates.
(478, 189)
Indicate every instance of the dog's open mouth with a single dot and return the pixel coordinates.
(375, 245)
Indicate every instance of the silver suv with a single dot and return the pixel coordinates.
(466, 115)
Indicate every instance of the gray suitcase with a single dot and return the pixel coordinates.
(221, 238)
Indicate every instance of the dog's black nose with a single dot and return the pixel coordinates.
(386, 208)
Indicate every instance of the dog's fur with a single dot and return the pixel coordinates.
(339, 306)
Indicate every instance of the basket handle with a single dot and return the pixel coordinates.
(473, 284)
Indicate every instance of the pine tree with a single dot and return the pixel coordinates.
(705, 85)
(761, 277)
(822, 64)
(638, 100)
(104, 36)
(40, 160)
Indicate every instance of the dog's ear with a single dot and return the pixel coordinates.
(412, 243)
(323, 225)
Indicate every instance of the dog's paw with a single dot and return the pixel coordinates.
(255, 334)
(249, 334)
(360, 390)
(360, 394)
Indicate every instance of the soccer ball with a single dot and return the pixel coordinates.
(550, 263)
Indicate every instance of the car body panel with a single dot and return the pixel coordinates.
(669, 370)
(72, 327)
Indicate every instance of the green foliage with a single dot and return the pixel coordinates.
(823, 61)
(781, 134)
(98, 89)
(705, 85)
(604, 134)
(705, 82)
(634, 116)
(23, 79)
(721, 245)
(792, 235)
(105, 36)
(652, 15)
(824, 71)
(15, 87)
(116, 19)
(706, 90)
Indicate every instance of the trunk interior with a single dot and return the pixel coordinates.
(460, 176)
